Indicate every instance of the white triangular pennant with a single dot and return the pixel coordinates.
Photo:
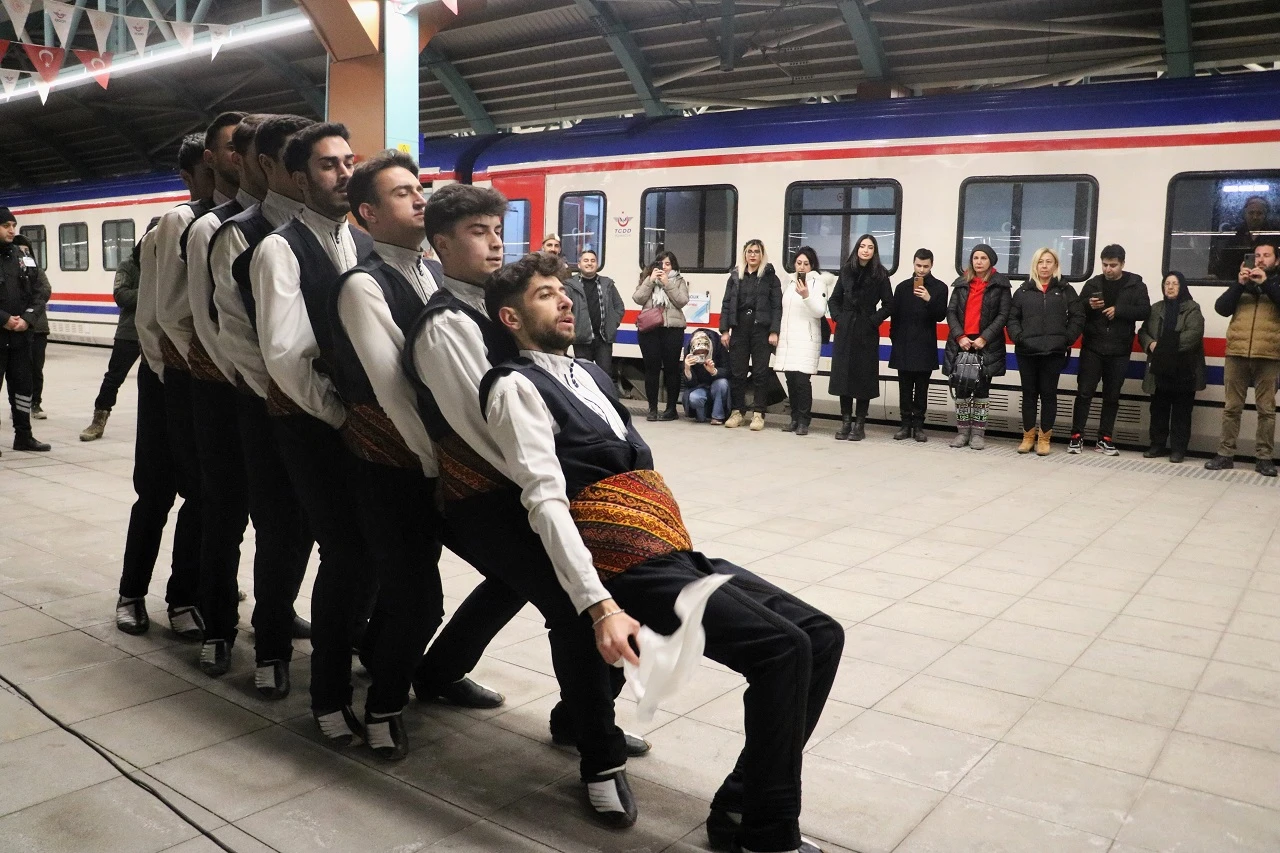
(43, 88)
(60, 16)
(185, 33)
(101, 23)
(139, 28)
(9, 79)
(18, 11)
(217, 36)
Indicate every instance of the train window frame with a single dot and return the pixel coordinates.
(788, 260)
(39, 245)
(1166, 260)
(1054, 178)
(703, 188)
(604, 224)
(133, 227)
(63, 244)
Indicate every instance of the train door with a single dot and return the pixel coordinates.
(522, 228)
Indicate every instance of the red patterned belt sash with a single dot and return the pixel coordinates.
(370, 435)
(627, 519)
(279, 404)
(465, 473)
(202, 366)
(169, 354)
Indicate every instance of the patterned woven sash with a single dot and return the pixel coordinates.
(370, 435)
(279, 404)
(627, 519)
(463, 472)
(170, 355)
(202, 366)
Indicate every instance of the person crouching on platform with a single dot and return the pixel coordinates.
(614, 530)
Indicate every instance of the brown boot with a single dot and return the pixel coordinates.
(1028, 441)
(94, 431)
(1042, 444)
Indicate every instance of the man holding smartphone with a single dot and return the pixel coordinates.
(1253, 355)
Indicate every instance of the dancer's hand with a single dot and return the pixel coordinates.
(614, 630)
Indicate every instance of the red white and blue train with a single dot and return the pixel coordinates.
(1164, 168)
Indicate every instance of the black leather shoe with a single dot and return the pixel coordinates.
(1154, 452)
(1220, 463)
(215, 657)
(722, 828)
(652, 416)
(1265, 467)
(271, 678)
(918, 433)
(301, 629)
(790, 427)
(859, 429)
(846, 427)
(186, 623)
(636, 745)
(903, 433)
(386, 736)
(806, 846)
(802, 428)
(131, 615)
(610, 798)
(669, 415)
(464, 693)
(340, 728)
(27, 441)
(1176, 456)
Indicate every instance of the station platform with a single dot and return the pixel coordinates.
(1058, 655)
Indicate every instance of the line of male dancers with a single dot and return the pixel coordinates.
(336, 388)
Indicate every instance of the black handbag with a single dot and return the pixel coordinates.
(967, 374)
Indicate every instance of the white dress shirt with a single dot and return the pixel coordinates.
(288, 342)
(149, 331)
(379, 343)
(173, 309)
(200, 285)
(522, 426)
(237, 338)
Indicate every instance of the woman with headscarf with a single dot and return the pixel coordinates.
(804, 306)
(861, 301)
(976, 317)
(1173, 338)
(664, 291)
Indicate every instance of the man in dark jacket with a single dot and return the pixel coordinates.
(125, 349)
(19, 294)
(39, 322)
(1113, 303)
(597, 312)
(919, 305)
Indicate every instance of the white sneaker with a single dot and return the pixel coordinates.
(757, 422)
(735, 421)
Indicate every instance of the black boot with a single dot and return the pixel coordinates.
(917, 430)
(859, 430)
(802, 426)
(904, 431)
(27, 441)
(846, 426)
(791, 427)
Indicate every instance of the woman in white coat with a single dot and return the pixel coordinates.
(804, 308)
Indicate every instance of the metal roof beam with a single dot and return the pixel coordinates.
(10, 171)
(1177, 39)
(728, 45)
(866, 38)
(625, 47)
(1046, 27)
(56, 148)
(112, 120)
(294, 78)
(459, 89)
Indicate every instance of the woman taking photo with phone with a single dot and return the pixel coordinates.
(1173, 339)
(661, 295)
(804, 306)
(861, 301)
(750, 319)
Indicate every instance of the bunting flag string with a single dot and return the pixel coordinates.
(18, 11)
(9, 79)
(101, 23)
(99, 64)
(185, 34)
(60, 16)
(139, 29)
(47, 60)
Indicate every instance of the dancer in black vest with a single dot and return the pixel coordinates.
(617, 540)
(282, 538)
(291, 273)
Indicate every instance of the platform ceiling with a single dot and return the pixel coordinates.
(521, 64)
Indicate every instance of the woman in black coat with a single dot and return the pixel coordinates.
(1173, 339)
(861, 301)
(919, 305)
(976, 318)
(1046, 318)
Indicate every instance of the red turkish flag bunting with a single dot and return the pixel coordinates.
(98, 64)
(47, 60)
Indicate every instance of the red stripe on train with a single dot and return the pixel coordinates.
(96, 205)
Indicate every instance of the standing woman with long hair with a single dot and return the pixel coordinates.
(804, 306)
(750, 320)
(976, 317)
(861, 301)
(662, 288)
(1045, 319)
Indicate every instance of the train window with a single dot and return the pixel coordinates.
(828, 217)
(698, 224)
(1212, 219)
(1016, 215)
(39, 243)
(582, 223)
(515, 230)
(73, 246)
(117, 241)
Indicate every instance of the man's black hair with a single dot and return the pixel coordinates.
(923, 255)
(246, 130)
(507, 286)
(450, 205)
(1113, 252)
(588, 250)
(1271, 240)
(275, 132)
(297, 151)
(191, 152)
(361, 187)
(227, 119)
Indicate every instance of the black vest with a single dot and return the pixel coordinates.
(587, 447)
(254, 227)
(224, 211)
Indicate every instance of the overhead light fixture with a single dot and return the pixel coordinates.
(1247, 188)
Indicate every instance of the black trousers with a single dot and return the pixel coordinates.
(787, 650)
(800, 392)
(224, 504)
(601, 352)
(320, 469)
(123, 355)
(282, 539)
(157, 482)
(661, 351)
(847, 407)
(1171, 417)
(15, 369)
(495, 537)
(1040, 374)
(913, 395)
(39, 346)
(1110, 370)
(749, 345)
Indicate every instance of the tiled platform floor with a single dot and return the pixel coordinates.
(1044, 655)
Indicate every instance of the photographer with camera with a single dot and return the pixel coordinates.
(706, 378)
(1253, 354)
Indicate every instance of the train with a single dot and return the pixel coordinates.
(1169, 169)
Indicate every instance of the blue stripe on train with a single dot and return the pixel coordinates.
(66, 308)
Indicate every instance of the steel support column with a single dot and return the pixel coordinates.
(728, 45)
(866, 38)
(459, 89)
(1177, 39)
(629, 55)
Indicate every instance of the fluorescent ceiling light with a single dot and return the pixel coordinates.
(1246, 188)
